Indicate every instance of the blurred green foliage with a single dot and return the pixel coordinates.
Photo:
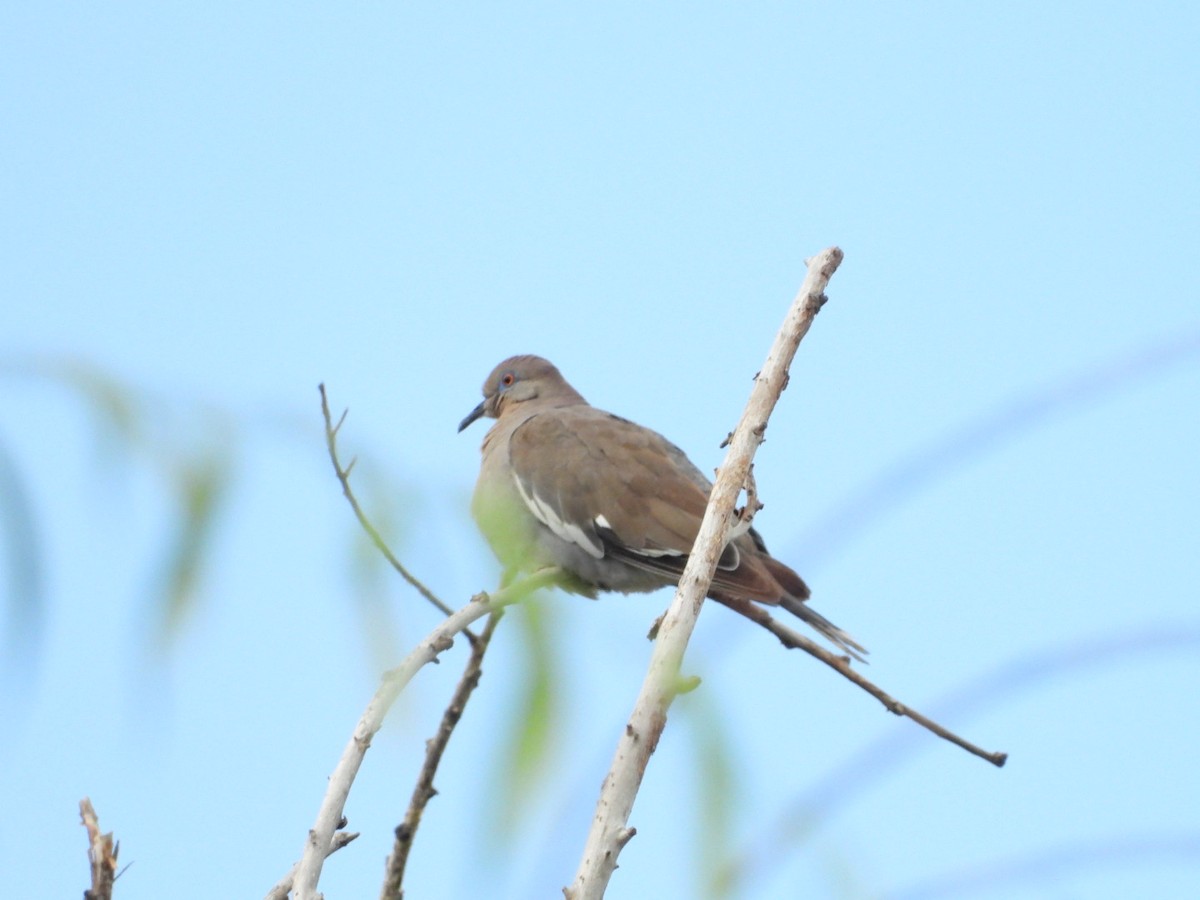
(189, 448)
(24, 590)
(529, 744)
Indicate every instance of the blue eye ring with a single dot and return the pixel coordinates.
(507, 380)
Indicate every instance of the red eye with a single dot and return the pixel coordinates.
(507, 379)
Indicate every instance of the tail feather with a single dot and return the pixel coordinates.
(828, 630)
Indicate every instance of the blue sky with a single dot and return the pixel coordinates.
(985, 464)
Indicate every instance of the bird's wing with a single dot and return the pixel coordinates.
(602, 482)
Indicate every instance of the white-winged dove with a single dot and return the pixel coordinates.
(615, 505)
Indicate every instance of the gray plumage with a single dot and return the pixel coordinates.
(615, 505)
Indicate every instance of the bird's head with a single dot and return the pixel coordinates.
(522, 380)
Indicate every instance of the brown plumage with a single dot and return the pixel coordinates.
(615, 505)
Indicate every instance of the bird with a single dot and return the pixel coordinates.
(613, 504)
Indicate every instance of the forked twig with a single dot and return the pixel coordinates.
(327, 836)
(284, 885)
(321, 835)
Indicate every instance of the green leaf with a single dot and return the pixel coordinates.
(23, 557)
(530, 743)
(716, 791)
(199, 488)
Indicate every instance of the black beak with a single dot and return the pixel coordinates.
(474, 414)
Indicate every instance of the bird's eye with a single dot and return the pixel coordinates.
(507, 379)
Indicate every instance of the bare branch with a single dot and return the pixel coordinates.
(320, 837)
(424, 791)
(343, 475)
(102, 854)
(610, 830)
(795, 641)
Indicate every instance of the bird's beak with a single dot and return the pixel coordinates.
(474, 414)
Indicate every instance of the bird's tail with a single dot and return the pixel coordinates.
(827, 629)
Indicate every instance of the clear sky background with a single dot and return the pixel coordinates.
(986, 464)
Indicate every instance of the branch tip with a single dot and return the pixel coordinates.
(609, 828)
(343, 476)
(841, 664)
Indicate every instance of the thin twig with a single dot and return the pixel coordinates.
(318, 842)
(343, 475)
(795, 641)
(610, 830)
(423, 792)
(102, 854)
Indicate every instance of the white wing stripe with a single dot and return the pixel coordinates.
(602, 522)
(655, 553)
(567, 531)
